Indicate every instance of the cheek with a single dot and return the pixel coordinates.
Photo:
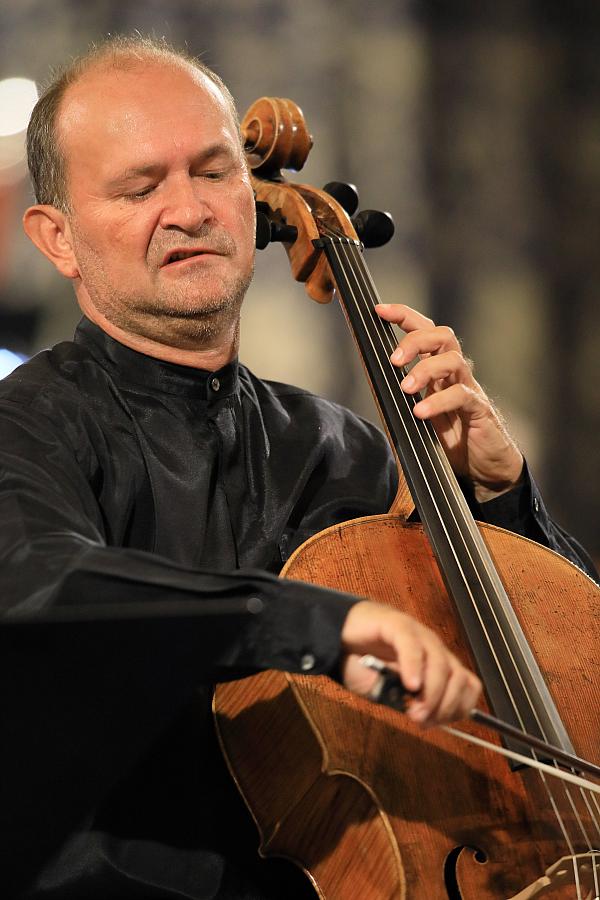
(131, 232)
(245, 226)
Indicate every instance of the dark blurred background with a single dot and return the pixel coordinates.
(476, 124)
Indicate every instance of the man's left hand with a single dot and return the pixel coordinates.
(471, 431)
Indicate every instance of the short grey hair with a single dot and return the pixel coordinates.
(44, 154)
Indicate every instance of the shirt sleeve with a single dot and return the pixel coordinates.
(55, 565)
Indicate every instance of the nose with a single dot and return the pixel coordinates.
(184, 205)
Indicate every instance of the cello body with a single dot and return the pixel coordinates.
(368, 804)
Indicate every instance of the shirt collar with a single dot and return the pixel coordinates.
(127, 366)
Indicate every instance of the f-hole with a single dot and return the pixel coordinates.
(450, 879)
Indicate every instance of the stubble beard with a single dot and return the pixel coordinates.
(196, 321)
(197, 317)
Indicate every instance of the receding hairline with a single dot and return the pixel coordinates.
(129, 52)
(45, 149)
(130, 62)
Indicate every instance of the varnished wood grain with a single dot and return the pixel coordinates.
(422, 794)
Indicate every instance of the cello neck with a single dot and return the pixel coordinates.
(321, 242)
(515, 686)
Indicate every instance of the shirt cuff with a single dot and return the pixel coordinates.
(520, 510)
(232, 624)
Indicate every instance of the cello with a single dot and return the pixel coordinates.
(367, 804)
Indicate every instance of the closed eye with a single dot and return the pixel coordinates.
(213, 176)
(139, 195)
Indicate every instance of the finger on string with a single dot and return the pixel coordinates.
(439, 339)
(404, 316)
(451, 364)
(455, 398)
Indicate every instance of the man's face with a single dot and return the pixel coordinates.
(162, 207)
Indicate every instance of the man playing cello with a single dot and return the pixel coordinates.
(141, 463)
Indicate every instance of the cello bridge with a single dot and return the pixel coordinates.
(581, 870)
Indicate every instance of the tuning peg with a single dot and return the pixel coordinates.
(267, 230)
(287, 234)
(263, 230)
(345, 194)
(374, 228)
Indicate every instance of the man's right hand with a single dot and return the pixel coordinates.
(445, 689)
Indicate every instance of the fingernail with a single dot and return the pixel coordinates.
(397, 357)
(407, 382)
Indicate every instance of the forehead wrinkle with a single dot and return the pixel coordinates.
(157, 168)
(78, 113)
(76, 100)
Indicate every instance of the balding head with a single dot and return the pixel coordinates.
(152, 212)
(45, 153)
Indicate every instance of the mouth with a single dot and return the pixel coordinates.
(178, 256)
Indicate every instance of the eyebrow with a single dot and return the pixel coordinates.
(153, 169)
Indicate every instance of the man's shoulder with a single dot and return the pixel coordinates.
(50, 372)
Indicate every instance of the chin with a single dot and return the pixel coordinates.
(209, 300)
(202, 311)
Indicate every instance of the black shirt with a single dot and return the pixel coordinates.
(131, 483)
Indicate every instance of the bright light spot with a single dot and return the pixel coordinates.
(18, 96)
(9, 361)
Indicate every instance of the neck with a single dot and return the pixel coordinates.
(221, 351)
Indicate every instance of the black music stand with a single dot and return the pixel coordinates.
(83, 691)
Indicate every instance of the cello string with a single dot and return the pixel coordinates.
(567, 760)
(588, 800)
(548, 789)
(546, 768)
(543, 770)
(442, 489)
(334, 246)
(389, 338)
(575, 764)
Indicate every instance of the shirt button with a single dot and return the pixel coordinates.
(255, 605)
(536, 505)
(307, 662)
(215, 384)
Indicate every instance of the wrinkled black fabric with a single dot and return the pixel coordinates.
(125, 480)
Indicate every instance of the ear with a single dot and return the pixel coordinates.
(50, 231)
